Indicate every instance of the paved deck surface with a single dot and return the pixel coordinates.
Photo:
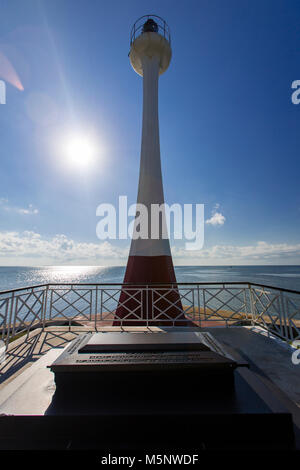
(268, 357)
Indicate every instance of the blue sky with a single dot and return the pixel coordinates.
(229, 131)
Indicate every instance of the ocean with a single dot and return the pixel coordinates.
(287, 277)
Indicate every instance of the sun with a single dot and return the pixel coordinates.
(79, 151)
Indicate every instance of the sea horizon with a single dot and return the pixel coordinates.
(280, 276)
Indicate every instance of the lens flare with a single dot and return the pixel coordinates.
(8, 73)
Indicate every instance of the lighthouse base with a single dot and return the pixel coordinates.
(150, 295)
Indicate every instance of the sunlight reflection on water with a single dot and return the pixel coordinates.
(13, 277)
(59, 274)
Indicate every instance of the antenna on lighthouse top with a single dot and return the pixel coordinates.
(150, 36)
(150, 26)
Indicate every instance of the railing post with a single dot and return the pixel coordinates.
(204, 305)
(252, 307)
(282, 317)
(71, 289)
(173, 287)
(45, 299)
(4, 328)
(288, 333)
(193, 297)
(199, 306)
(96, 307)
(101, 306)
(9, 320)
(28, 328)
(147, 304)
(245, 304)
(51, 306)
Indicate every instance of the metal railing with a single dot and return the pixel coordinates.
(137, 28)
(96, 305)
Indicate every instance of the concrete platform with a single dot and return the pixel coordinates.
(30, 393)
(268, 357)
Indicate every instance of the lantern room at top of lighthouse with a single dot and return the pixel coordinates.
(150, 37)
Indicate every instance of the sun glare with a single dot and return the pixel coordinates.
(80, 151)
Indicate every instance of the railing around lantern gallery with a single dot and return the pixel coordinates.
(94, 305)
(162, 27)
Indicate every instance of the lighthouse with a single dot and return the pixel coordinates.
(155, 298)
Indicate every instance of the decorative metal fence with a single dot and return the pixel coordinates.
(227, 304)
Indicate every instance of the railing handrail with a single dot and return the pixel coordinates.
(17, 289)
(150, 284)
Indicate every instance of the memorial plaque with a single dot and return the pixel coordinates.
(103, 352)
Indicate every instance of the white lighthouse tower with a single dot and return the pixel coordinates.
(150, 259)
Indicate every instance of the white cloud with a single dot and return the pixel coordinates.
(31, 248)
(216, 219)
(260, 253)
(58, 249)
(30, 210)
